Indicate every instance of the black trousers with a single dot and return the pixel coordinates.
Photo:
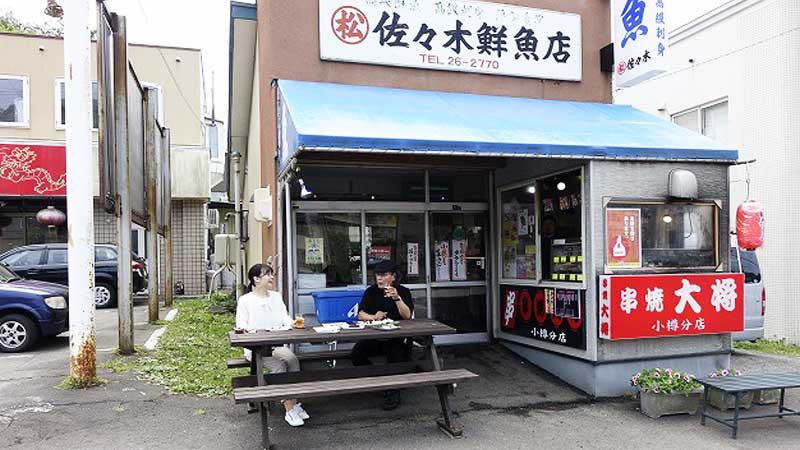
(395, 350)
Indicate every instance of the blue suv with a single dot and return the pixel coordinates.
(29, 310)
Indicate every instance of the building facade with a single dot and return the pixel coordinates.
(734, 77)
(32, 127)
(467, 143)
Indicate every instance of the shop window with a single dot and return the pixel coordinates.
(61, 114)
(328, 250)
(12, 232)
(399, 238)
(673, 235)
(458, 250)
(458, 186)
(14, 100)
(353, 184)
(518, 228)
(561, 227)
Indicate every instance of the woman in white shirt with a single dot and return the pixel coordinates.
(263, 309)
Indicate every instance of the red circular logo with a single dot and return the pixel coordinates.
(350, 25)
(621, 68)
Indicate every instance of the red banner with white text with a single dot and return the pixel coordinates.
(647, 306)
(33, 170)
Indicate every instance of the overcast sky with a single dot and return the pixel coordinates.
(204, 24)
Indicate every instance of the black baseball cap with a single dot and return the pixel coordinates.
(386, 267)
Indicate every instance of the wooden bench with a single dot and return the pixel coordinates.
(738, 386)
(442, 379)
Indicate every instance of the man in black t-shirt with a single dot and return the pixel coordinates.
(384, 299)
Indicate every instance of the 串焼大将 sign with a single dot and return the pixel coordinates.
(455, 35)
(545, 314)
(647, 306)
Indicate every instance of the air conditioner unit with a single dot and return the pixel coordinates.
(262, 200)
(212, 219)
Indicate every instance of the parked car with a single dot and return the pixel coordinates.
(29, 310)
(755, 297)
(48, 262)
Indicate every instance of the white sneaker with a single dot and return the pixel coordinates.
(293, 419)
(300, 411)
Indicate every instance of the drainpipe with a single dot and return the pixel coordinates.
(237, 199)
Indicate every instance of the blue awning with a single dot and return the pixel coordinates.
(338, 117)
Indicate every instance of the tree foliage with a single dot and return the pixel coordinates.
(10, 24)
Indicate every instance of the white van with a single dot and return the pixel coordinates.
(755, 298)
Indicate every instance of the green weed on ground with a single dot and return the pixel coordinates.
(776, 347)
(191, 357)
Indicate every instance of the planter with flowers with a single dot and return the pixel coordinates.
(722, 401)
(665, 392)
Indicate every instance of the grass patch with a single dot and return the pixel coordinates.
(774, 347)
(71, 382)
(191, 357)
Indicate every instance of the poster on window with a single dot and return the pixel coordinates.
(315, 250)
(412, 258)
(522, 222)
(442, 260)
(649, 306)
(459, 260)
(528, 311)
(624, 238)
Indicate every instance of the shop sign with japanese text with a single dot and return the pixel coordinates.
(640, 40)
(648, 306)
(455, 35)
(544, 314)
(624, 238)
(33, 170)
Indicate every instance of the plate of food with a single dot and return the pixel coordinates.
(354, 326)
(388, 327)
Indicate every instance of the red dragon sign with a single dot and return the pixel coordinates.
(33, 170)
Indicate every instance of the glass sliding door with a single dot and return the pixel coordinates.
(458, 271)
(398, 237)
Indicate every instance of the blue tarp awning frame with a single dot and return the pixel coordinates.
(330, 117)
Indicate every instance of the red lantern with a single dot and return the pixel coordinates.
(51, 217)
(750, 225)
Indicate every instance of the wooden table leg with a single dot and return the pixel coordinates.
(259, 363)
(446, 424)
(703, 406)
(737, 396)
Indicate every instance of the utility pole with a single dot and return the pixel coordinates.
(124, 300)
(152, 132)
(80, 200)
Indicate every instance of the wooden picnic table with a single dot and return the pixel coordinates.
(337, 381)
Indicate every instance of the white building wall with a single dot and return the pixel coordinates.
(747, 52)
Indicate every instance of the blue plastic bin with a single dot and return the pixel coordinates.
(337, 306)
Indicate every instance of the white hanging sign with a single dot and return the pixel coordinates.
(459, 260)
(442, 260)
(454, 35)
(413, 259)
(640, 40)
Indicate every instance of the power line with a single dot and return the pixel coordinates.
(169, 70)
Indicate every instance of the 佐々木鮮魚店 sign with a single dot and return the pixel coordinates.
(455, 35)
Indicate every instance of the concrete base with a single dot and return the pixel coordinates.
(612, 379)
